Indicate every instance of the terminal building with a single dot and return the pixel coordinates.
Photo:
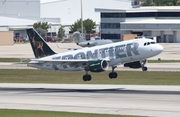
(161, 22)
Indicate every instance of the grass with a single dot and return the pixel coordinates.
(33, 113)
(13, 60)
(21, 42)
(125, 77)
(163, 61)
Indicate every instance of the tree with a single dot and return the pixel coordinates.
(42, 25)
(149, 3)
(61, 32)
(41, 31)
(88, 26)
(41, 28)
(162, 3)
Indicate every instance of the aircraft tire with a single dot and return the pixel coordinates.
(113, 75)
(110, 75)
(87, 77)
(144, 68)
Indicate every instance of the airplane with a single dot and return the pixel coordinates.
(83, 43)
(131, 53)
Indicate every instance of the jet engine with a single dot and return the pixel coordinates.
(87, 44)
(98, 66)
(136, 64)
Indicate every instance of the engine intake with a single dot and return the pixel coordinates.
(98, 66)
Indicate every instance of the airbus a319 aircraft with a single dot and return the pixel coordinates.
(131, 53)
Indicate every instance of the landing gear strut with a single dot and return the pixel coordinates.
(113, 74)
(87, 77)
(143, 65)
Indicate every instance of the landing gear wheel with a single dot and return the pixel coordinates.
(113, 75)
(144, 68)
(87, 77)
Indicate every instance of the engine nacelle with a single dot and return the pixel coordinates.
(86, 44)
(98, 66)
(136, 64)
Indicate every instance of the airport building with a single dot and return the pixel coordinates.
(161, 22)
(16, 16)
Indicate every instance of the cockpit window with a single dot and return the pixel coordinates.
(148, 43)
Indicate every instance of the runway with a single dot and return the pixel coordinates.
(159, 101)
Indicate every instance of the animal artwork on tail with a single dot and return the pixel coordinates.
(39, 47)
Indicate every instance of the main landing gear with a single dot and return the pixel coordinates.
(113, 74)
(87, 77)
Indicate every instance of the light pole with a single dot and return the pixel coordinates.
(81, 19)
(51, 30)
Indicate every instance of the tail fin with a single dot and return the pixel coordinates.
(78, 37)
(38, 44)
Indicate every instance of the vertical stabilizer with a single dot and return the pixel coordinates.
(78, 37)
(38, 44)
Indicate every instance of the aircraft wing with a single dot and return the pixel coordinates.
(71, 62)
(60, 61)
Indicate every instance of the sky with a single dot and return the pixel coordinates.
(70, 10)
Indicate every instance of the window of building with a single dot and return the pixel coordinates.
(140, 14)
(168, 14)
(110, 25)
(112, 15)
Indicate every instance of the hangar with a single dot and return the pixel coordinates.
(16, 16)
(162, 22)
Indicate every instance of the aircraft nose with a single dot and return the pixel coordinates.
(159, 48)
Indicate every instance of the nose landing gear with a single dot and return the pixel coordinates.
(144, 68)
(143, 65)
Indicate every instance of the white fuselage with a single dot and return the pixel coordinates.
(116, 53)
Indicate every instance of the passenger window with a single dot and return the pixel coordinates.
(152, 42)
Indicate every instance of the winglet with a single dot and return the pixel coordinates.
(38, 44)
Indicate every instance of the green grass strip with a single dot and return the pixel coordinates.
(14, 60)
(163, 61)
(124, 77)
(33, 113)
